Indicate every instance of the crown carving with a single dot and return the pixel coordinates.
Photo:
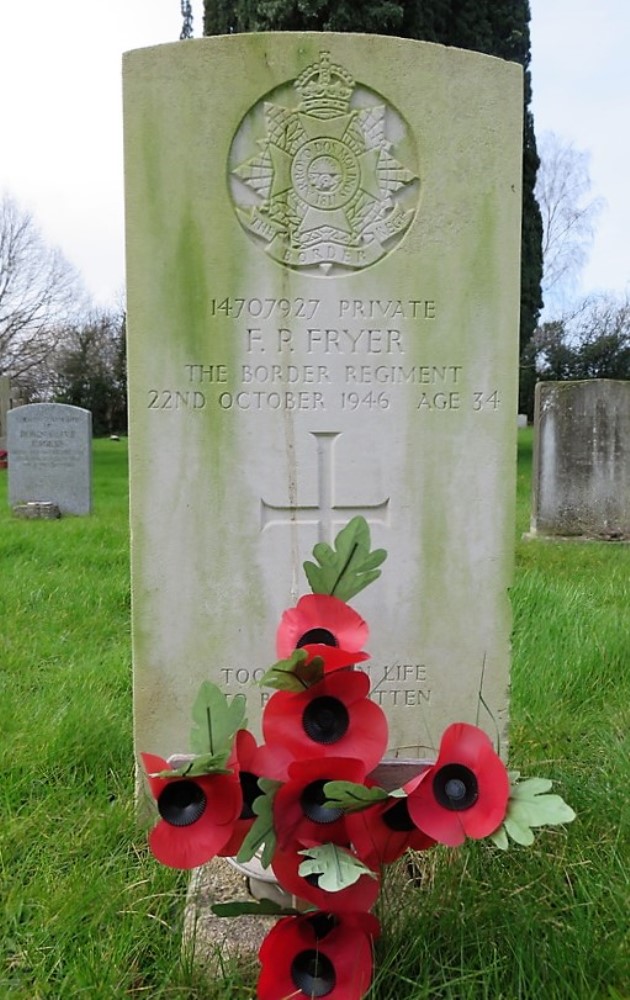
(325, 88)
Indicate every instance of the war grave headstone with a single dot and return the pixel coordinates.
(323, 300)
(9, 399)
(581, 480)
(50, 458)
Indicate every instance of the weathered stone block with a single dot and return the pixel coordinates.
(581, 482)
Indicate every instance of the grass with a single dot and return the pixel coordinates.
(88, 913)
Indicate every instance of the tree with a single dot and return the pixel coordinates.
(568, 214)
(591, 342)
(90, 370)
(224, 16)
(495, 27)
(39, 289)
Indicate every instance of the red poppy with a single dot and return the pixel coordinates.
(465, 793)
(333, 718)
(246, 763)
(385, 831)
(359, 897)
(334, 658)
(299, 813)
(197, 814)
(319, 618)
(318, 956)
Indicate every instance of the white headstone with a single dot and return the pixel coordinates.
(50, 456)
(323, 296)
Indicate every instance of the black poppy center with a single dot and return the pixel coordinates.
(397, 818)
(319, 636)
(181, 803)
(325, 720)
(455, 787)
(322, 924)
(312, 802)
(313, 973)
(251, 790)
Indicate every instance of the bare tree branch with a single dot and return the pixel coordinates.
(568, 212)
(39, 291)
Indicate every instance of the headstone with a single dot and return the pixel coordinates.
(50, 456)
(9, 398)
(323, 300)
(5, 390)
(581, 481)
(521, 421)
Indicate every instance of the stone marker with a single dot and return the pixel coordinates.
(581, 481)
(323, 300)
(5, 405)
(50, 456)
(9, 398)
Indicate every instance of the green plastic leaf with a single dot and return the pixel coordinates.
(216, 720)
(351, 797)
(261, 836)
(349, 566)
(294, 673)
(519, 832)
(530, 805)
(543, 810)
(337, 868)
(253, 907)
(530, 787)
(207, 763)
(500, 838)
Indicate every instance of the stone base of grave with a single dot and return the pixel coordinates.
(216, 942)
(537, 536)
(36, 510)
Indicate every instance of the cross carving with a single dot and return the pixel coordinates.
(326, 512)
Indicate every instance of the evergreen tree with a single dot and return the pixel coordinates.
(89, 370)
(495, 27)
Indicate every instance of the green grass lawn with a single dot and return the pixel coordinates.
(88, 913)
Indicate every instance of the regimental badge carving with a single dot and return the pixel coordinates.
(323, 173)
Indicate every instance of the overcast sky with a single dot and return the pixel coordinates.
(61, 136)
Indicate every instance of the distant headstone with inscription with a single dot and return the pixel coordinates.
(323, 301)
(581, 482)
(50, 456)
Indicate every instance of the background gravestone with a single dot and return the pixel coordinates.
(50, 456)
(322, 319)
(9, 399)
(581, 481)
(5, 389)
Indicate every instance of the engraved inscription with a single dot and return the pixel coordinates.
(326, 513)
(324, 190)
(400, 685)
(343, 369)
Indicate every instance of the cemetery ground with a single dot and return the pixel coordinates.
(88, 912)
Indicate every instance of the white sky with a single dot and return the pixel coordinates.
(61, 129)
